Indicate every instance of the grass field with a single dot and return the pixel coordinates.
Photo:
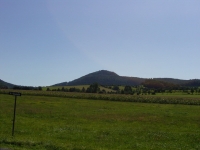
(58, 123)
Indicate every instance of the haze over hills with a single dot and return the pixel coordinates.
(104, 77)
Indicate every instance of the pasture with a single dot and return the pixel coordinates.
(61, 123)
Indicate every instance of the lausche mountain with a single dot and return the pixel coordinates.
(108, 78)
(104, 77)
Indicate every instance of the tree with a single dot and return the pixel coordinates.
(103, 91)
(192, 90)
(73, 89)
(83, 89)
(128, 90)
(94, 88)
(63, 89)
(116, 88)
(122, 91)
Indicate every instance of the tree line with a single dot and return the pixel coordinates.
(149, 88)
(27, 88)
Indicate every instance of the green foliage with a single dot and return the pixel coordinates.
(128, 90)
(116, 88)
(83, 89)
(40, 88)
(94, 88)
(78, 88)
(74, 89)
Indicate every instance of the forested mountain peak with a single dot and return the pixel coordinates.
(102, 73)
(104, 77)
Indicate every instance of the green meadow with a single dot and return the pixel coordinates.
(61, 123)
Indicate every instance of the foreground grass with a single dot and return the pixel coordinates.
(53, 123)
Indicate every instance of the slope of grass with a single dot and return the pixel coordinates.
(56, 123)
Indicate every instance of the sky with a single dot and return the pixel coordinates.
(44, 42)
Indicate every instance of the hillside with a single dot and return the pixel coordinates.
(104, 77)
(172, 80)
(192, 83)
(4, 84)
(107, 78)
(60, 84)
(187, 83)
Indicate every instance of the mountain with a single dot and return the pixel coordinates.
(104, 77)
(60, 84)
(4, 84)
(107, 78)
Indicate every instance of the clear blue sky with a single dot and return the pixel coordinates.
(44, 42)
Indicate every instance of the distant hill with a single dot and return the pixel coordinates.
(104, 77)
(192, 83)
(108, 78)
(4, 84)
(172, 80)
(61, 84)
(187, 83)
